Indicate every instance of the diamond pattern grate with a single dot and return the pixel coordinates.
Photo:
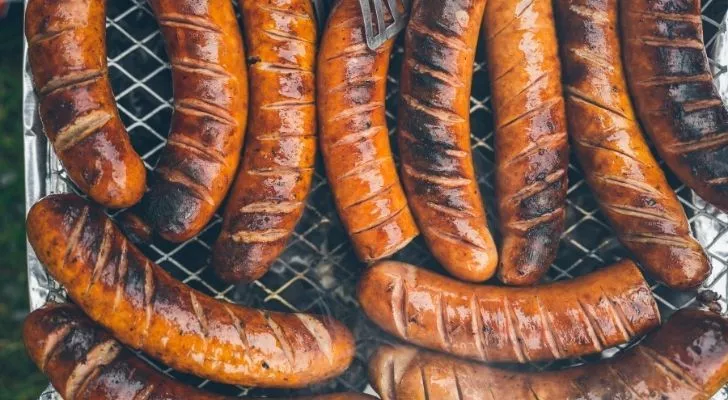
(318, 271)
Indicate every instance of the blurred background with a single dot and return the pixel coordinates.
(19, 378)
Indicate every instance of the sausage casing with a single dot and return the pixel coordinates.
(270, 191)
(530, 135)
(434, 136)
(67, 56)
(85, 362)
(146, 308)
(197, 166)
(686, 359)
(618, 165)
(352, 85)
(672, 86)
(505, 324)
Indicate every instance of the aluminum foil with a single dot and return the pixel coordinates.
(318, 271)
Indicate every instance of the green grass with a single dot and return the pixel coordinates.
(19, 378)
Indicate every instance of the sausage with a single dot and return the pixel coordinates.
(434, 136)
(269, 194)
(146, 308)
(197, 166)
(618, 165)
(67, 56)
(352, 83)
(672, 87)
(687, 359)
(532, 154)
(505, 324)
(85, 362)
(387, 366)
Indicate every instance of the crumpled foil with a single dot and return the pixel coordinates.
(318, 271)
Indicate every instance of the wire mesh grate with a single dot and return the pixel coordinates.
(318, 271)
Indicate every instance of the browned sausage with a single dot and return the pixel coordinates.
(617, 163)
(145, 308)
(387, 366)
(687, 359)
(67, 55)
(530, 136)
(434, 136)
(85, 362)
(672, 86)
(504, 324)
(210, 84)
(352, 83)
(271, 188)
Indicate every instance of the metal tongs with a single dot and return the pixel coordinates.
(391, 18)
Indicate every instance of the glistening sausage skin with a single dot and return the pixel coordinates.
(198, 164)
(434, 136)
(618, 165)
(504, 324)
(85, 362)
(146, 308)
(351, 90)
(67, 56)
(532, 154)
(672, 85)
(687, 359)
(269, 194)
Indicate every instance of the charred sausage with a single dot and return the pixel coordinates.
(618, 165)
(270, 191)
(687, 359)
(145, 308)
(197, 166)
(352, 83)
(85, 362)
(504, 324)
(672, 86)
(530, 135)
(67, 56)
(434, 136)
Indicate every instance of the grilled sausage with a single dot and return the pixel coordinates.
(387, 366)
(530, 135)
(617, 163)
(67, 56)
(197, 166)
(271, 188)
(503, 324)
(687, 359)
(145, 308)
(352, 82)
(85, 362)
(672, 86)
(434, 136)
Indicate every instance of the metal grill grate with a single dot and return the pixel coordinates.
(318, 271)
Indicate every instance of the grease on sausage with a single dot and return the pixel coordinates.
(67, 56)
(672, 86)
(85, 362)
(434, 136)
(146, 308)
(197, 166)
(686, 359)
(352, 81)
(269, 194)
(618, 165)
(532, 154)
(505, 324)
